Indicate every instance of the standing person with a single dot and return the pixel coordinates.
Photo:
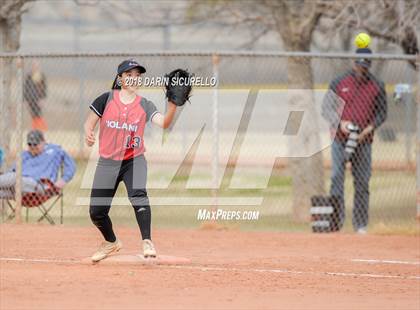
(363, 106)
(34, 91)
(122, 116)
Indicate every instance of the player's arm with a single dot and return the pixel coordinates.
(89, 126)
(380, 111)
(163, 121)
(97, 108)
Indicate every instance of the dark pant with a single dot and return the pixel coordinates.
(108, 175)
(361, 170)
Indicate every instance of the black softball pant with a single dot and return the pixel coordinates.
(108, 175)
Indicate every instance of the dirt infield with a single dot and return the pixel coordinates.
(41, 268)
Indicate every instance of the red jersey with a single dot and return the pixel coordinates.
(122, 125)
(363, 102)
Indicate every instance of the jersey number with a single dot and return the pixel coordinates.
(132, 142)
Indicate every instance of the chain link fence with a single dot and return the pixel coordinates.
(246, 144)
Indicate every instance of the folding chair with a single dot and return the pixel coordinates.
(41, 202)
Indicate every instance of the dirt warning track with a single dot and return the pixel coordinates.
(45, 267)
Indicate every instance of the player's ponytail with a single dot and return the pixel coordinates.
(117, 83)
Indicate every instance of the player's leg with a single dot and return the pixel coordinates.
(338, 177)
(361, 171)
(38, 121)
(135, 177)
(105, 184)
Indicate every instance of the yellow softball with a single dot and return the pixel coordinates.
(362, 40)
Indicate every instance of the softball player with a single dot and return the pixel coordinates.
(122, 116)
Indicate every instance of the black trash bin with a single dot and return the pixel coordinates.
(325, 214)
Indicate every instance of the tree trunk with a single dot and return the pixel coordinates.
(307, 172)
(10, 27)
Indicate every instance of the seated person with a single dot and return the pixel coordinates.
(41, 161)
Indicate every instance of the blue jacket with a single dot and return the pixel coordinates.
(47, 164)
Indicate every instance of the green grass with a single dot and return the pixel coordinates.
(393, 204)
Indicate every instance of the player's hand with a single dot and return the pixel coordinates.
(90, 138)
(365, 132)
(344, 127)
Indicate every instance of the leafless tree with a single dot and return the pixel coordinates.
(10, 23)
(395, 22)
(10, 26)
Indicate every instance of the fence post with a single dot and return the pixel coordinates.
(81, 99)
(215, 130)
(19, 125)
(79, 66)
(6, 123)
(408, 102)
(3, 126)
(418, 139)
